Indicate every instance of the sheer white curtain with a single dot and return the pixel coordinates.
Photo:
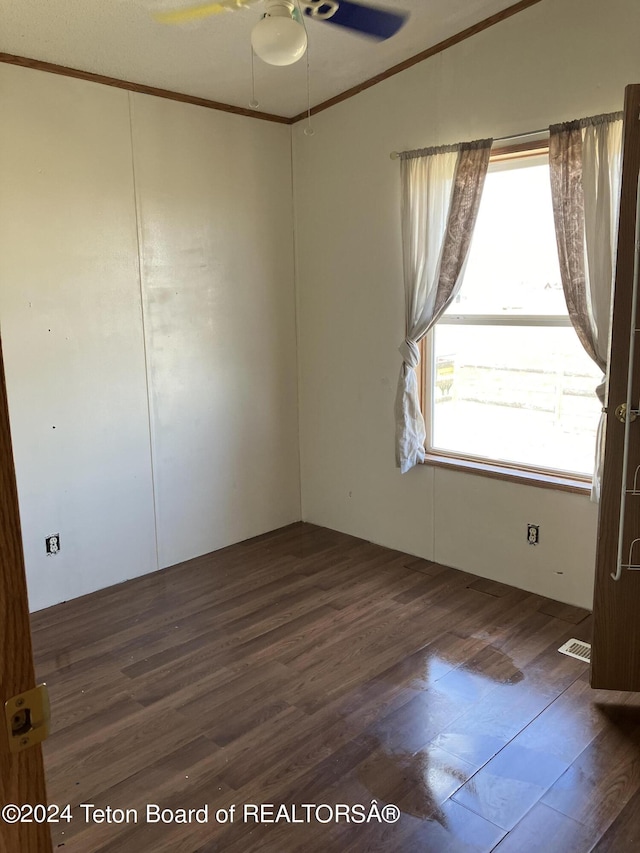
(585, 159)
(441, 190)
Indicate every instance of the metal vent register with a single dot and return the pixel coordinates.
(577, 649)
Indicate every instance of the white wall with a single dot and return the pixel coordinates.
(70, 320)
(215, 212)
(147, 313)
(215, 262)
(550, 63)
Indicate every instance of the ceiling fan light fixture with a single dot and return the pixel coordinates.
(278, 39)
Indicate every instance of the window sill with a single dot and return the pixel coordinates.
(543, 480)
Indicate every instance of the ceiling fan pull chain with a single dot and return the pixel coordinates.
(253, 103)
(308, 131)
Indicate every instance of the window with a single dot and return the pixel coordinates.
(506, 379)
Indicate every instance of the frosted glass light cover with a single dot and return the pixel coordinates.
(279, 40)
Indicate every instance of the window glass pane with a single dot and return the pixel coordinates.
(513, 262)
(517, 394)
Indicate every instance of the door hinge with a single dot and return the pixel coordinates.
(28, 718)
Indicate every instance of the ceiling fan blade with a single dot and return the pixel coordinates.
(374, 22)
(203, 10)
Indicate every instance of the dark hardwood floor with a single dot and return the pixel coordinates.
(310, 667)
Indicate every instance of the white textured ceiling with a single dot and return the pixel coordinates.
(211, 58)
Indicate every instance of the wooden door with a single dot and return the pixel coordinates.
(21, 774)
(616, 636)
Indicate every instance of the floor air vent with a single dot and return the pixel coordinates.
(577, 649)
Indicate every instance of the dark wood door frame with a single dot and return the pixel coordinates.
(21, 774)
(616, 634)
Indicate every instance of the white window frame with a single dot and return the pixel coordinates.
(493, 467)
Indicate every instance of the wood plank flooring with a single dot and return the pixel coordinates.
(309, 667)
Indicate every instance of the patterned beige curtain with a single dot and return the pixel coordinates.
(585, 159)
(441, 190)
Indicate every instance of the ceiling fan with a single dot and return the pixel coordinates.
(280, 38)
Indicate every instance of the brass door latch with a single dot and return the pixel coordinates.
(621, 413)
(28, 717)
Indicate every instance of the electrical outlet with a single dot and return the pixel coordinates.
(533, 534)
(52, 543)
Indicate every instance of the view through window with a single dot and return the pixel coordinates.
(510, 381)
